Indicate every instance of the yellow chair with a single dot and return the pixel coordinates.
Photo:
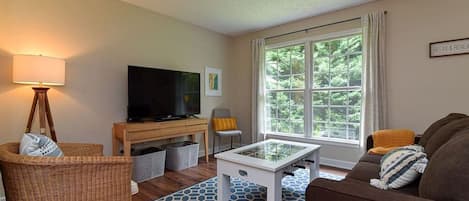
(224, 125)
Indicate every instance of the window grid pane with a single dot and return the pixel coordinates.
(285, 112)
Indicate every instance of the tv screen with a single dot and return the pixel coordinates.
(158, 94)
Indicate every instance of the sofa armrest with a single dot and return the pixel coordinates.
(369, 141)
(352, 190)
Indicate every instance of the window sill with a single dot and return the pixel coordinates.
(313, 140)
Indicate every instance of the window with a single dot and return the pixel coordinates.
(336, 88)
(322, 100)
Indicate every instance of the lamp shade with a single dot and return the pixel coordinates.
(31, 69)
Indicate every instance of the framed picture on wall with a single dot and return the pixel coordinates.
(449, 48)
(213, 81)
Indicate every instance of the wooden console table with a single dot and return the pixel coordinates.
(133, 133)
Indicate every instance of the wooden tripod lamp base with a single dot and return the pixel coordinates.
(40, 98)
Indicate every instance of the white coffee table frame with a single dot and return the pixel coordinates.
(260, 171)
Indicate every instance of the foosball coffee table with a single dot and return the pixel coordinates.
(265, 163)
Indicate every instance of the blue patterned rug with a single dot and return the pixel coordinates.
(293, 188)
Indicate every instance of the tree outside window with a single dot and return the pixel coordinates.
(335, 87)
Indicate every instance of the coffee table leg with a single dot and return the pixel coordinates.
(314, 167)
(274, 191)
(223, 187)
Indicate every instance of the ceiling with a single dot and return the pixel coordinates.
(236, 17)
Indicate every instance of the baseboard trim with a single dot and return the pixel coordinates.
(337, 163)
(218, 149)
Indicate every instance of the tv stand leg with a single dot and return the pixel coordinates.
(194, 138)
(206, 144)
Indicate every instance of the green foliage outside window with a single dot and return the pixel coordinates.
(336, 86)
(336, 74)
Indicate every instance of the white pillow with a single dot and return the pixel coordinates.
(39, 145)
(400, 167)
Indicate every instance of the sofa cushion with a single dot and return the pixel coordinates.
(437, 125)
(364, 171)
(371, 158)
(411, 189)
(447, 174)
(400, 167)
(442, 135)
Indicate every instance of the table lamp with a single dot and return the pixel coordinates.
(39, 70)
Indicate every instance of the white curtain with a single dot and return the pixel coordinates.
(374, 108)
(258, 76)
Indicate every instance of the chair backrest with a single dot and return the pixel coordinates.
(221, 113)
(48, 178)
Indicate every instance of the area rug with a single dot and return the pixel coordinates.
(293, 188)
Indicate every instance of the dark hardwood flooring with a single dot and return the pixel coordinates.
(173, 181)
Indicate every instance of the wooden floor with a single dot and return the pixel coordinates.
(173, 181)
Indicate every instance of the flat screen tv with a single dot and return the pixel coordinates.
(158, 94)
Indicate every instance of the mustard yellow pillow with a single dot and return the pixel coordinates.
(223, 124)
(393, 138)
(385, 141)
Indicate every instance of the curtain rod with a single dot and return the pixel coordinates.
(315, 27)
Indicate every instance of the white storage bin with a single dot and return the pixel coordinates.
(182, 155)
(148, 164)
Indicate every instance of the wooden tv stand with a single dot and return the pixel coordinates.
(133, 133)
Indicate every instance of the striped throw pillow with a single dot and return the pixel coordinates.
(223, 124)
(400, 167)
(39, 145)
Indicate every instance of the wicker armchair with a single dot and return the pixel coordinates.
(83, 174)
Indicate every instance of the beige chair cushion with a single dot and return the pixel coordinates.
(229, 133)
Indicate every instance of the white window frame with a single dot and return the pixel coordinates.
(308, 90)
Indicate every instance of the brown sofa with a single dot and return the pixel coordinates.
(446, 177)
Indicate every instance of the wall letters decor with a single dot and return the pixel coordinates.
(449, 48)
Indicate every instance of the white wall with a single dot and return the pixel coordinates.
(98, 39)
(420, 89)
